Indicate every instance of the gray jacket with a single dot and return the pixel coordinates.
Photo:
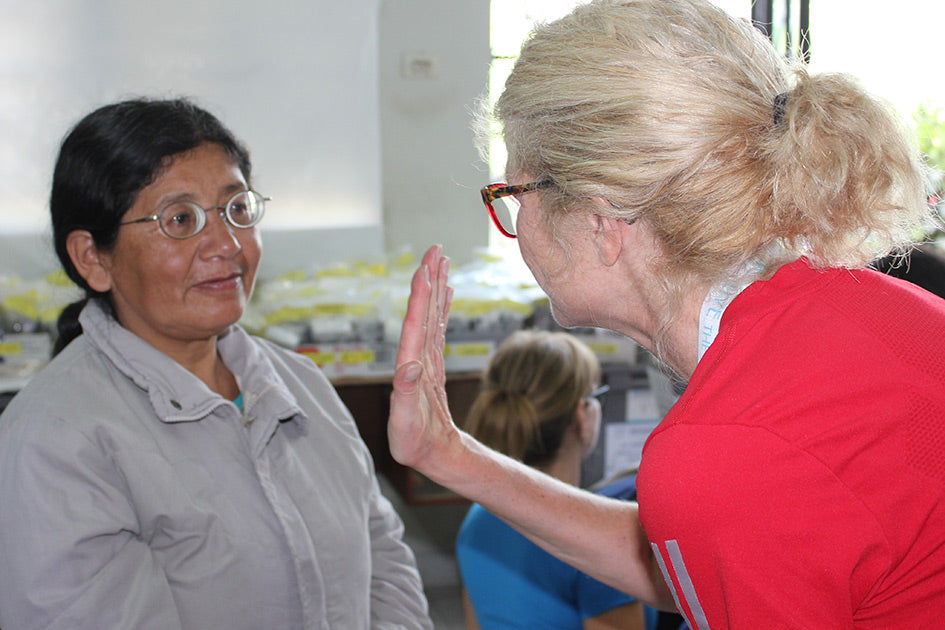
(132, 496)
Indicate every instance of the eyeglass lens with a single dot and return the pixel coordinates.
(506, 212)
(185, 219)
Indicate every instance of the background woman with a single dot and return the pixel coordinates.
(680, 184)
(538, 406)
(167, 470)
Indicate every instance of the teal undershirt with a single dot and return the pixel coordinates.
(238, 401)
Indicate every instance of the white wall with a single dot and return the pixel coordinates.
(339, 136)
(432, 172)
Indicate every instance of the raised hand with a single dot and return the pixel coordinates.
(420, 429)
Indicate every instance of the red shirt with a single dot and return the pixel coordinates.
(799, 482)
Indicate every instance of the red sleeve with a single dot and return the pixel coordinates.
(754, 532)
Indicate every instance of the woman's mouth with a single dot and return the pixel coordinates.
(222, 283)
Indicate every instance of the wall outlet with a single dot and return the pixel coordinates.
(419, 65)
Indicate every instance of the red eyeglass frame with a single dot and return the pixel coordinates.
(496, 191)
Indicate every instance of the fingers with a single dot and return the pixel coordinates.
(412, 336)
(424, 328)
(437, 318)
(433, 305)
(419, 413)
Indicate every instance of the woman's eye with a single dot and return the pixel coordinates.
(182, 218)
(179, 220)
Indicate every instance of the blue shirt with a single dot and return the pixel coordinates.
(513, 583)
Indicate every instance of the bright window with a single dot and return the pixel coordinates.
(895, 52)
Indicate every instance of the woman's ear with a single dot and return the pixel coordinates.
(587, 424)
(86, 258)
(608, 234)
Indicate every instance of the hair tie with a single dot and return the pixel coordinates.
(780, 102)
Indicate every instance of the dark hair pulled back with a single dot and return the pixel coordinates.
(107, 159)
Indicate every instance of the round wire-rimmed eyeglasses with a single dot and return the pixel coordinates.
(183, 219)
(505, 215)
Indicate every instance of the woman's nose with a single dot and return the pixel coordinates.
(220, 235)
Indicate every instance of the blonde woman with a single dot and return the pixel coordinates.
(538, 405)
(682, 185)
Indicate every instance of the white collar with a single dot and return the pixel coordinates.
(722, 293)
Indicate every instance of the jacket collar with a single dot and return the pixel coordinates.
(175, 393)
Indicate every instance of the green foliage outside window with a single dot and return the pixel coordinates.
(930, 133)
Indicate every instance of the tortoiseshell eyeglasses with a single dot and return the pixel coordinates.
(505, 214)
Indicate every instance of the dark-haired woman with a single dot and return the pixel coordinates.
(166, 469)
